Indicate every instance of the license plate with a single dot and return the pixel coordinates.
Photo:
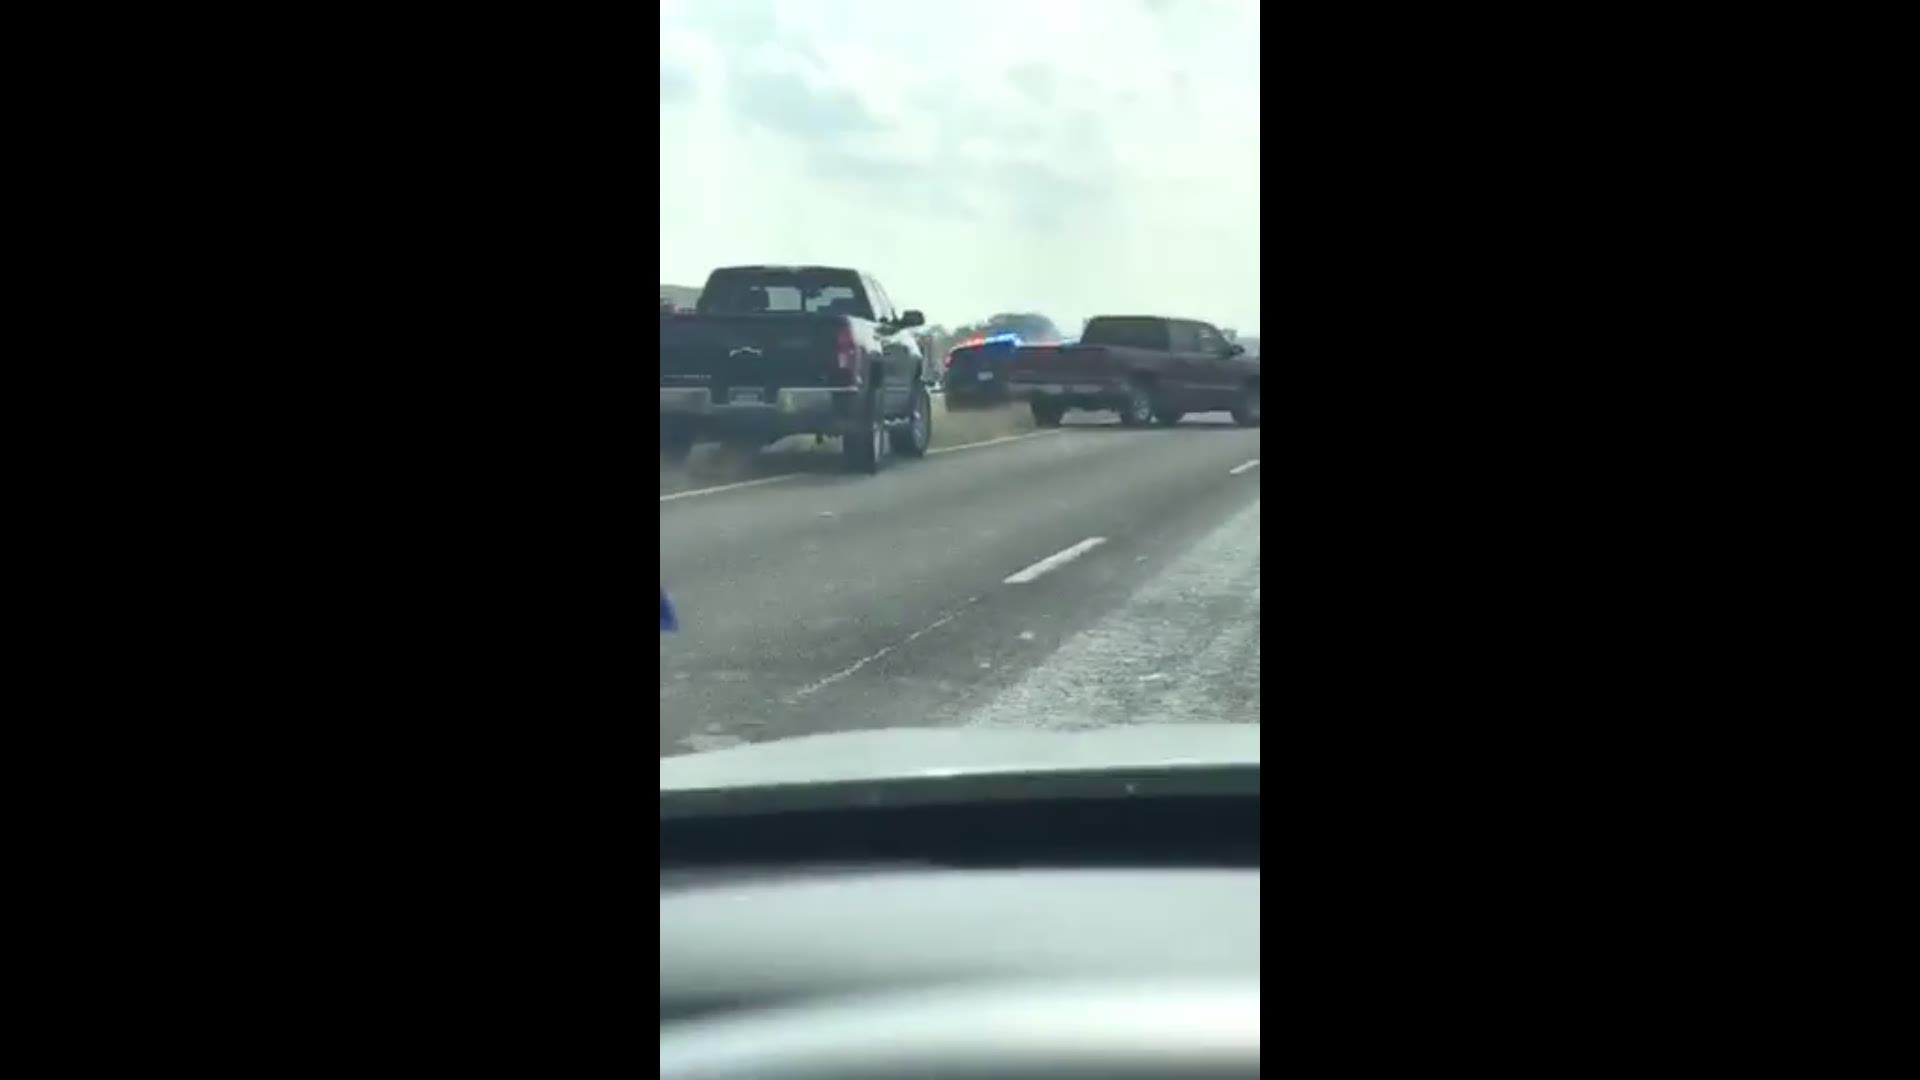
(744, 396)
(986, 376)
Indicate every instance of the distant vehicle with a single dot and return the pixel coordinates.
(773, 351)
(976, 369)
(1146, 368)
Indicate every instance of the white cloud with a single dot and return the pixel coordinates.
(1067, 156)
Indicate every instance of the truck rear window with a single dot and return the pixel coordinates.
(735, 292)
(1137, 333)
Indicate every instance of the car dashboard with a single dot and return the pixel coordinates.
(1067, 924)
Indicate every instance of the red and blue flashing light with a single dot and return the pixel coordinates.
(978, 341)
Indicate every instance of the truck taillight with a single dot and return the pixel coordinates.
(845, 349)
(949, 362)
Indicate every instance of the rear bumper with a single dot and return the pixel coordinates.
(794, 411)
(977, 395)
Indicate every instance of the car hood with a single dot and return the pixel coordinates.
(904, 753)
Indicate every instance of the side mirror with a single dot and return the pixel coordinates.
(911, 319)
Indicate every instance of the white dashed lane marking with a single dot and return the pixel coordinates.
(1182, 647)
(1056, 560)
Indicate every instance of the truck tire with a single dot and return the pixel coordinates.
(1047, 413)
(1137, 410)
(912, 441)
(1167, 417)
(1246, 411)
(863, 448)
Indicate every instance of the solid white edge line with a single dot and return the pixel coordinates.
(1238, 469)
(1055, 560)
(990, 442)
(789, 476)
(729, 487)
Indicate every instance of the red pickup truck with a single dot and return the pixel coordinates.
(1146, 368)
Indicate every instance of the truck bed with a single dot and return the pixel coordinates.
(1079, 364)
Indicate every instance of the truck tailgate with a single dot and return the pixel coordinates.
(766, 351)
(1059, 364)
(969, 363)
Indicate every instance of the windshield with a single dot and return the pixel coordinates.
(871, 552)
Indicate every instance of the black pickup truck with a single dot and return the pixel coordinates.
(1146, 368)
(772, 351)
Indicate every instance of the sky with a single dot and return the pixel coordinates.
(1072, 157)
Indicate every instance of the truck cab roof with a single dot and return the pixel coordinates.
(780, 269)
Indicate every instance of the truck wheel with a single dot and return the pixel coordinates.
(1137, 411)
(1246, 411)
(912, 440)
(1047, 413)
(862, 449)
(1167, 417)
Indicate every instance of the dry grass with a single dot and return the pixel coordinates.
(978, 425)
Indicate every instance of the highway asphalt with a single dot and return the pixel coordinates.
(1083, 576)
